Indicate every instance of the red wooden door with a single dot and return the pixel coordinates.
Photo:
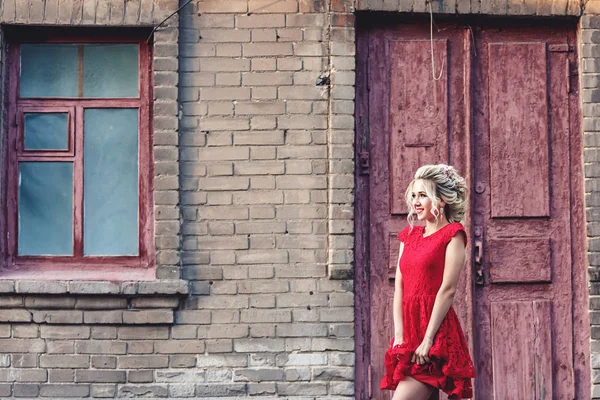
(523, 210)
(413, 120)
(504, 112)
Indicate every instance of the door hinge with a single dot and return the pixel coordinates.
(369, 382)
(569, 74)
(364, 163)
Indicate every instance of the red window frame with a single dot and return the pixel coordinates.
(12, 152)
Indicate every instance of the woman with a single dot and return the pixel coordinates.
(429, 351)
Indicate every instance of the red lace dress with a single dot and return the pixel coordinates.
(422, 267)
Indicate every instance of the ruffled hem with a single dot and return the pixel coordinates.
(455, 382)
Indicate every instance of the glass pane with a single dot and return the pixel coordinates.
(48, 131)
(110, 182)
(45, 208)
(110, 70)
(49, 70)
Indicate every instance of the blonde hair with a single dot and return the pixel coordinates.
(442, 183)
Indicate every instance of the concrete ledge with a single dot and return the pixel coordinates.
(126, 288)
(96, 303)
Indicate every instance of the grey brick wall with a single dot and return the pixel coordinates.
(267, 196)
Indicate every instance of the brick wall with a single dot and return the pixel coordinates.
(266, 91)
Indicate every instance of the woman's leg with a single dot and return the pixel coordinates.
(412, 389)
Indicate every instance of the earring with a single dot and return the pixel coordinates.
(442, 211)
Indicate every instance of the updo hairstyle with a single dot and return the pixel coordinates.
(442, 183)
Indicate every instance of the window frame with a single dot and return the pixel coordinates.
(12, 152)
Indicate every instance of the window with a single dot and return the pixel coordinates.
(79, 155)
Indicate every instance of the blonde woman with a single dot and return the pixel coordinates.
(429, 351)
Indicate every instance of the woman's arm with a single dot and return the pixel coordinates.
(397, 305)
(454, 262)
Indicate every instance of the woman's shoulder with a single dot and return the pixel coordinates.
(408, 232)
(453, 229)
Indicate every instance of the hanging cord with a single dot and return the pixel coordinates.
(431, 42)
(165, 20)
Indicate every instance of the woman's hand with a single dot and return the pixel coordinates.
(398, 340)
(421, 354)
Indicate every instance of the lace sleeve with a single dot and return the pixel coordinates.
(453, 230)
(403, 235)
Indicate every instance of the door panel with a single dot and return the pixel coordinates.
(521, 350)
(418, 112)
(521, 214)
(518, 123)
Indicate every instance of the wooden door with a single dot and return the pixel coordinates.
(522, 212)
(504, 112)
(413, 120)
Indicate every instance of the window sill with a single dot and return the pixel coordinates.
(91, 302)
(87, 287)
(79, 273)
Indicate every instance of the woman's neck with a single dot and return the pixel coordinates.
(433, 225)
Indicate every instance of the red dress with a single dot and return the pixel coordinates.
(422, 267)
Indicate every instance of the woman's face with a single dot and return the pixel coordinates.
(421, 203)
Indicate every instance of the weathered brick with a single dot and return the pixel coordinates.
(58, 317)
(180, 346)
(268, 6)
(148, 317)
(104, 362)
(62, 390)
(260, 21)
(179, 361)
(23, 375)
(218, 6)
(64, 361)
(102, 303)
(223, 65)
(94, 376)
(61, 375)
(267, 49)
(25, 390)
(258, 345)
(103, 390)
(143, 376)
(220, 390)
(143, 362)
(100, 347)
(144, 332)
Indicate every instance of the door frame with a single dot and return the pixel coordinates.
(580, 295)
